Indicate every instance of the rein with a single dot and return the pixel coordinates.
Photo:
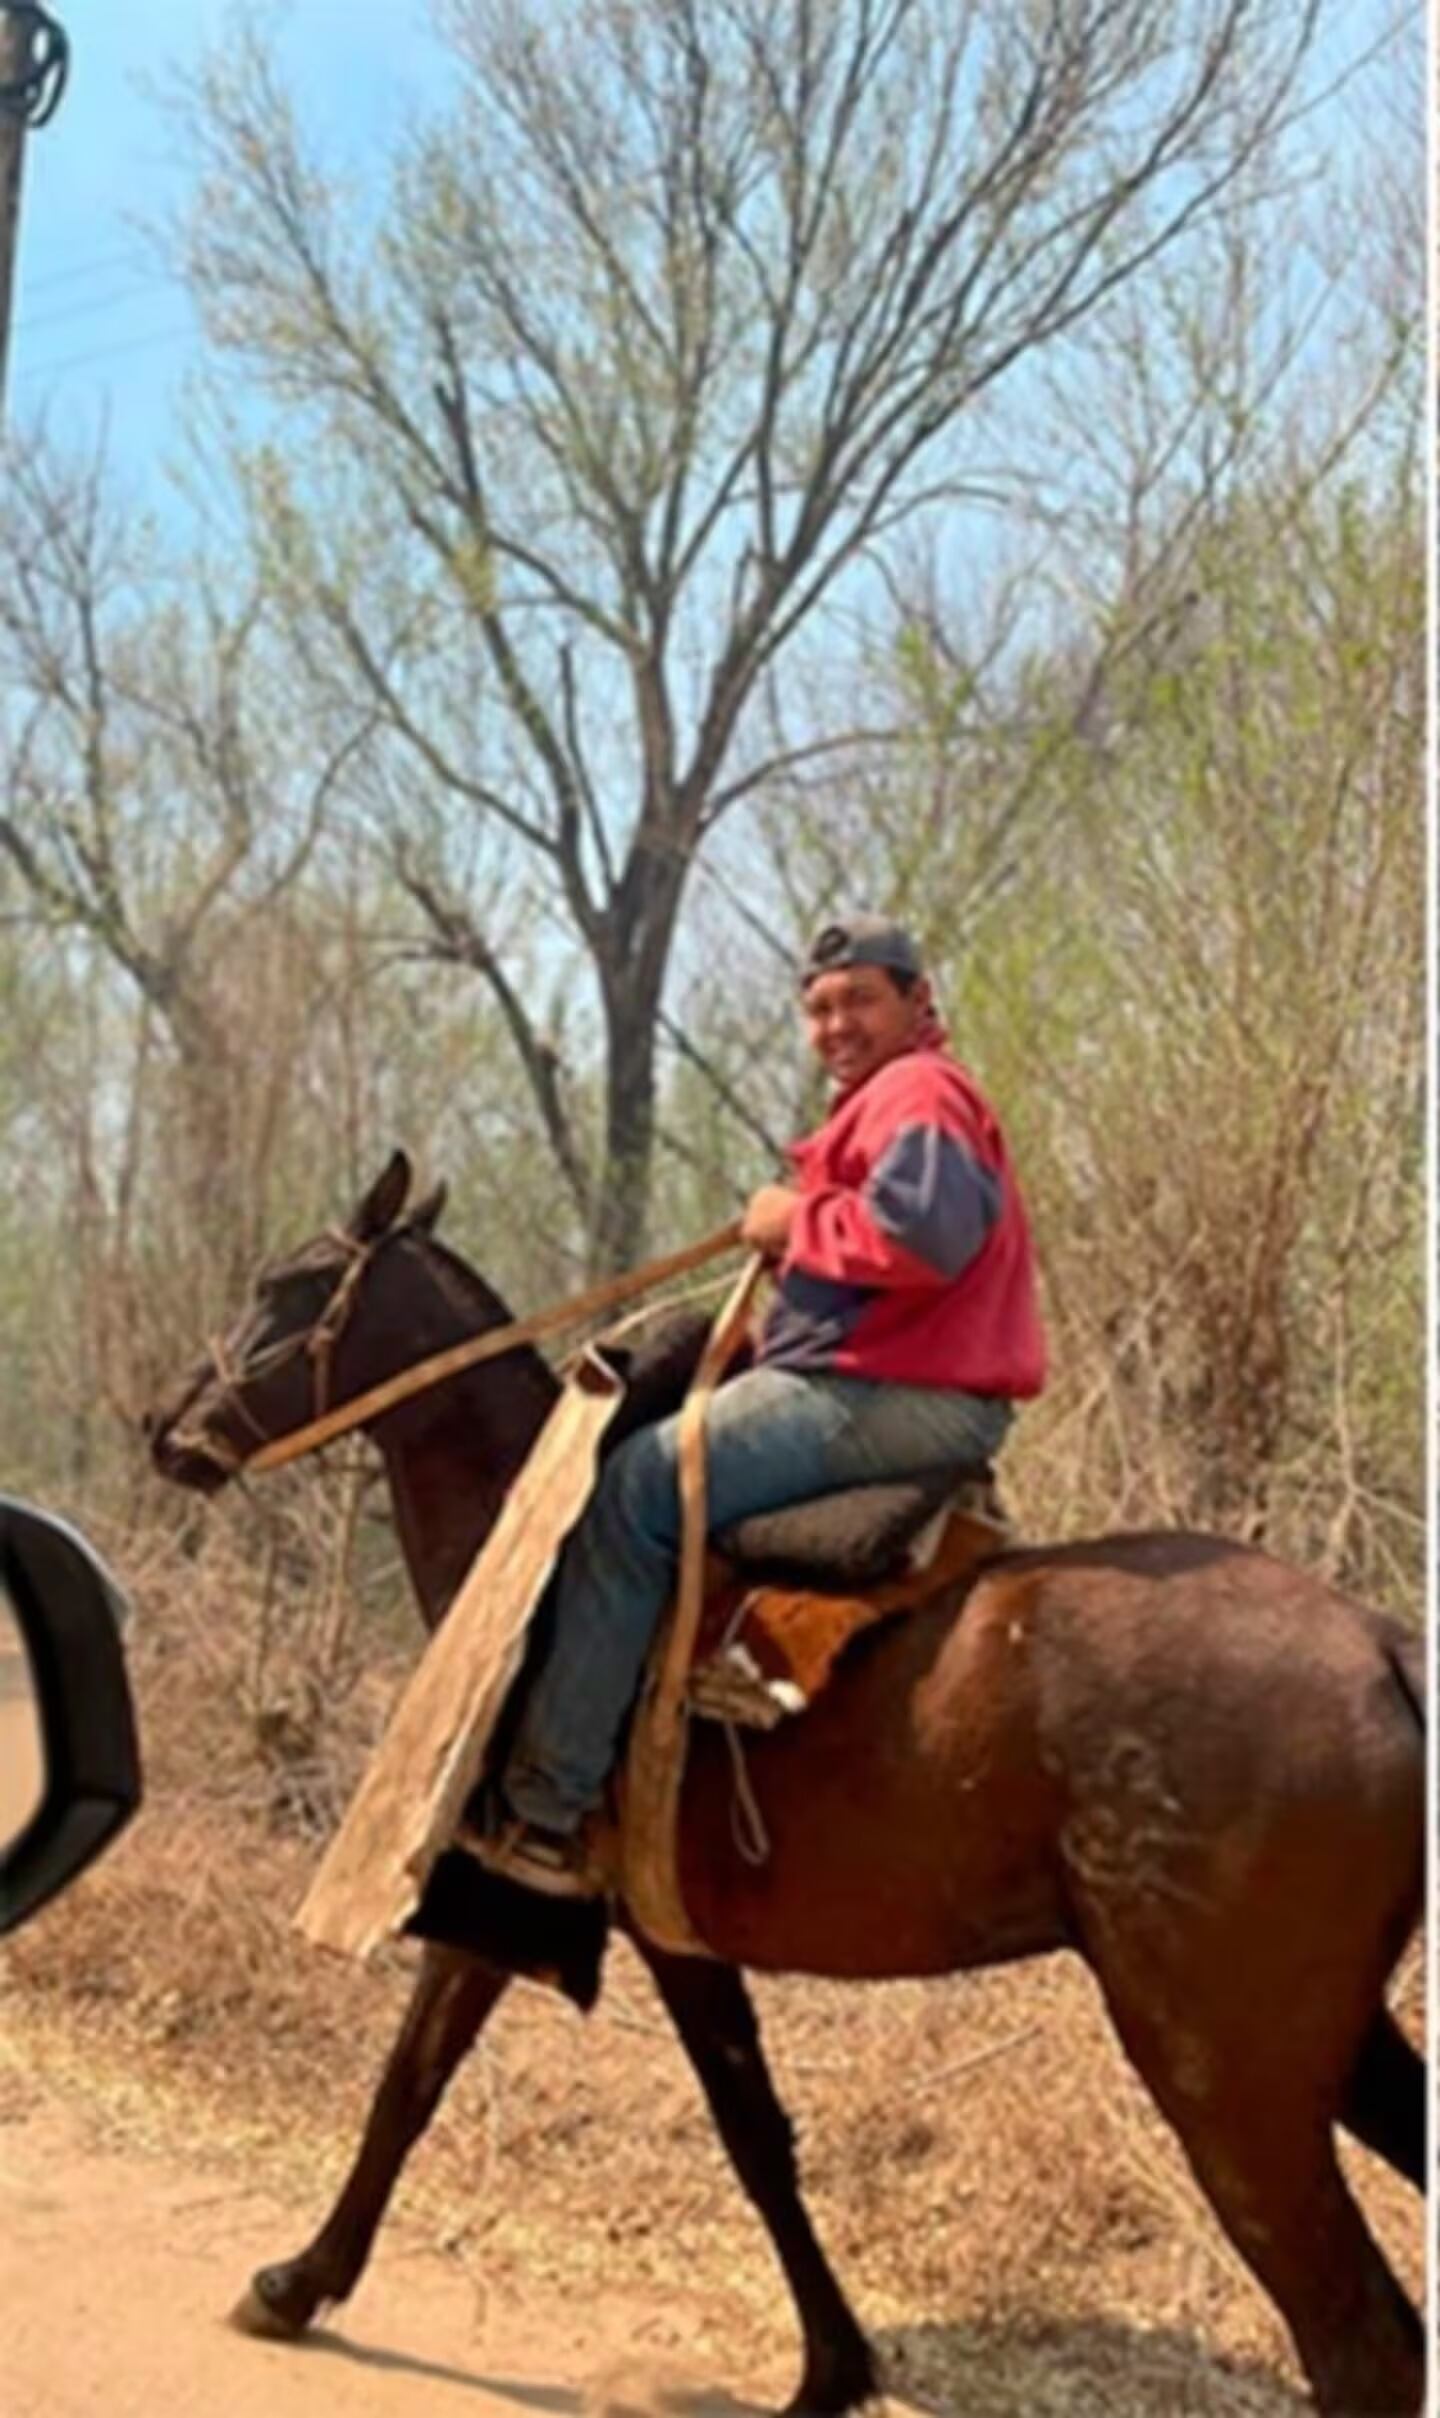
(320, 1340)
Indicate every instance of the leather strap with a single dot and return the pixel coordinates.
(424, 1373)
(656, 1766)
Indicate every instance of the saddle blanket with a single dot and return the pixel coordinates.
(766, 1652)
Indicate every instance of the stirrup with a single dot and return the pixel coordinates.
(553, 1862)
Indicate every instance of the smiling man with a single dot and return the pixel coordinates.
(904, 1256)
(903, 1330)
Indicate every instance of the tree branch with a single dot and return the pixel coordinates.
(459, 941)
(723, 1089)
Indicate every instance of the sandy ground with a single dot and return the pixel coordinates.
(20, 1748)
(182, 2085)
(117, 2271)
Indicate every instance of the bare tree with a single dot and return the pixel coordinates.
(673, 323)
(154, 801)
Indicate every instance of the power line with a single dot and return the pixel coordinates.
(104, 263)
(30, 321)
(102, 352)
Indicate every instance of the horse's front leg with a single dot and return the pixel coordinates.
(711, 2010)
(453, 1995)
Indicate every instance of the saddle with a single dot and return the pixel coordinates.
(787, 1591)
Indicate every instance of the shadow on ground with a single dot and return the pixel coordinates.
(620, 2394)
(1090, 2368)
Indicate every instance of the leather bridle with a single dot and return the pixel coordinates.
(317, 1342)
(320, 1341)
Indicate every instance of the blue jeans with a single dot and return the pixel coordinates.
(772, 1437)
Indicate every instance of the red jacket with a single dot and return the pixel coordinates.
(909, 1259)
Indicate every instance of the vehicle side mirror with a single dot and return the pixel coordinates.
(69, 1757)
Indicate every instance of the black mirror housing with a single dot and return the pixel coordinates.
(70, 1613)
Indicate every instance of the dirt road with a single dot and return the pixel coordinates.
(21, 1762)
(116, 2272)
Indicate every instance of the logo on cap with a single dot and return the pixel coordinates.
(863, 940)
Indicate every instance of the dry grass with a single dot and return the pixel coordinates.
(1014, 2221)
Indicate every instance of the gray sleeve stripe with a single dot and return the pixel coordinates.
(810, 1318)
(933, 1198)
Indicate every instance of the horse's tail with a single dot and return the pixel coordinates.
(1405, 1652)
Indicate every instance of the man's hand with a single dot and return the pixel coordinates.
(767, 1220)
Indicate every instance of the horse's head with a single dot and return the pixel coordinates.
(299, 1345)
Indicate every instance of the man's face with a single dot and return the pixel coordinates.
(857, 1019)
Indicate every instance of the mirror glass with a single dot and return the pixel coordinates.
(22, 1744)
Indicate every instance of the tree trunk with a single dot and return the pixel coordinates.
(618, 1232)
(639, 935)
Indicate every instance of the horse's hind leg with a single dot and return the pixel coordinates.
(453, 1995)
(1257, 2131)
(711, 2011)
(1384, 2102)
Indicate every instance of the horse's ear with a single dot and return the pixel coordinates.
(382, 1204)
(426, 1212)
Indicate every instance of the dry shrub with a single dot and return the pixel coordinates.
(182, 1933)
(258, 1658)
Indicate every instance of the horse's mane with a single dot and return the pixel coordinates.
(468, 1292)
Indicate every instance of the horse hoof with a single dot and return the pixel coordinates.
(271, 2308)
(843, 2394)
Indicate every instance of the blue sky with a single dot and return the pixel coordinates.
(98, 326)
(100, 330)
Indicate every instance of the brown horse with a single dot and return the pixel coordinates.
(1198, 1768)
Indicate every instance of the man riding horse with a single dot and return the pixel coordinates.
(1198, 1768)
(903, 1330)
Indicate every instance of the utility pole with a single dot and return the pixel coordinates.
(34, 61)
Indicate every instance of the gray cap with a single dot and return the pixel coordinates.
(861, 939)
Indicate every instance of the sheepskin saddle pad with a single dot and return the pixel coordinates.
(792, 1588)
(787, 1590)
